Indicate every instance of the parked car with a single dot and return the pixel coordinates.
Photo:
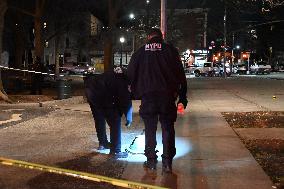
(78, 68)
(260, 68)
(204, 70)
(51, 69)
(241, 69)
(227, 68)
(218, 68)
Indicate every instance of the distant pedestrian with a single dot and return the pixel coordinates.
(109, 99)
(37, 78)
(157, 78)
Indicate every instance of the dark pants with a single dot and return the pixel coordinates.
(113, 119)
(100, 125)
(154, 108)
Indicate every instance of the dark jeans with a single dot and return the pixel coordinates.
(154, 108)
(113, 119)
(100, 125)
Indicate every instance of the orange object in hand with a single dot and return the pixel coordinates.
(180, 108)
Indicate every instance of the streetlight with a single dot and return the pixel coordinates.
(238, 47)
(122, 40)
(131, 16)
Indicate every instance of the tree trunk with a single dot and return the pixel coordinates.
(108, 46)
(55, 56)
(38, 28)
(20, 42)
(3, 8)
(108, 54)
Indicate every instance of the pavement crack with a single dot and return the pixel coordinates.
(249, 101)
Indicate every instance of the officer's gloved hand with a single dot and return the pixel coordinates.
(128, 123)
(184, 102)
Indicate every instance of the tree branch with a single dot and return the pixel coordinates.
(23, 11)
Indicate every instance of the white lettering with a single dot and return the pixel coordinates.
(153, 47)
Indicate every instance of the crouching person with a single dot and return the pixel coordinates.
(119, 104)
(123, 95)
(110, 100)
(94, 90)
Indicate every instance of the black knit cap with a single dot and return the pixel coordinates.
(155, 32)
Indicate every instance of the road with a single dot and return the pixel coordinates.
(63, 135)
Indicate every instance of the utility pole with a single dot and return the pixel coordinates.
(205, 30)
(225, 40)
(233, 58)
(163, 18)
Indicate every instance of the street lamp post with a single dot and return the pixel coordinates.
(122, 40)
(225, 41)
(237, 53)
(233, 56)
(248, 71)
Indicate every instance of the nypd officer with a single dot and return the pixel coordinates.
(157, 78)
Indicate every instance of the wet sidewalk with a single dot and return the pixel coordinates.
(209, 152)
(209, 155)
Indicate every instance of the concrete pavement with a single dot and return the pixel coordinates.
(216, 158)
(209, 153)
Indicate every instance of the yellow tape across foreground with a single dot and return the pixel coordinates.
(77, 174)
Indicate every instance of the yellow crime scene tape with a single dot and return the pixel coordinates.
(77, 174)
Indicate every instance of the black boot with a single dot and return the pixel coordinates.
(167, 166)
(150, 164)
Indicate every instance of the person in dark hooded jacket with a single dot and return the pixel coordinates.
(157, 78)
(109, 99)
(94, 90)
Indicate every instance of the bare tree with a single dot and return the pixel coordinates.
(38, 27)
(115, 8)
(3, 8)
(37, 14)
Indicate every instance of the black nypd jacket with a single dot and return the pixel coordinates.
(156, 67)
